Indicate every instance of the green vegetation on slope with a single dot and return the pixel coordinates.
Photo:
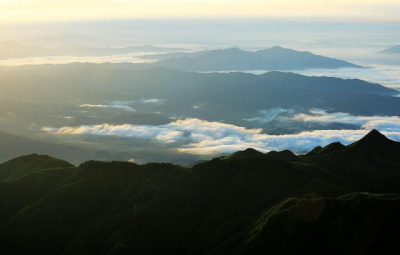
(332, 201)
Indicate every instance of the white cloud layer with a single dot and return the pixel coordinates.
(383, 123)
(203, 137)
(62, 60)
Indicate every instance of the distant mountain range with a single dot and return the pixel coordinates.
(392, 50)
(234, 59)
(163, 56)
(231, 97)
(12, 146)
(335, 200)
(275, 58)
(10, 50)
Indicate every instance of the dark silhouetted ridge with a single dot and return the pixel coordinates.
(24, 165)
(374, 134)
(285, 155)
(246, 154)
(375, 146)
(375, 141)
(314, 151)
(248, 203)
(333, 147)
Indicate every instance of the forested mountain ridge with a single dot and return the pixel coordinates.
(245, 203)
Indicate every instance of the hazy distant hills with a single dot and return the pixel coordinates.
(334, 200)
(392, 50)
(163, 56)
(15, 50)
(210, 96)
(226, 94)
(275, 58)
(67, 40)
(12, 146)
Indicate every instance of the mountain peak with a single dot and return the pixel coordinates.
(226, 51)
(374, 140)
(374, 135)
(285, 155)
(278, 48)
(233, 49)
(246, 154)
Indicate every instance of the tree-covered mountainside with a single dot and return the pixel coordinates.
(275, 58)
(334, 200)
(225, 96)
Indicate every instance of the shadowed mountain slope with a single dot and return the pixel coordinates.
(24, 165)
(246, 203)
(229, 96)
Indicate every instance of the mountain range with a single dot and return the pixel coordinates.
(392, 50)
(98, 94)
(234, 59)
(334, 200)
(117, 94)
(162, 56)
(14, 145)
(217, 92)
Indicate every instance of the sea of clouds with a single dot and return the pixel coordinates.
(62, 60)
(198, 136)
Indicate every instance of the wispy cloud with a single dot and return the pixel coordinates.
(122, 102)
(114, 106)
(268, 115)
(62, 60)
(153, 101)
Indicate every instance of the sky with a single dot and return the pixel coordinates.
(29, 11)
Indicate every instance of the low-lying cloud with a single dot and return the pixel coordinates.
(60, 60)
(153, 101)
(383, 123)
(268, 115)
(113, 106)
(197, 136)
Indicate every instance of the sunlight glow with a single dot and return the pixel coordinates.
(12, 11)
